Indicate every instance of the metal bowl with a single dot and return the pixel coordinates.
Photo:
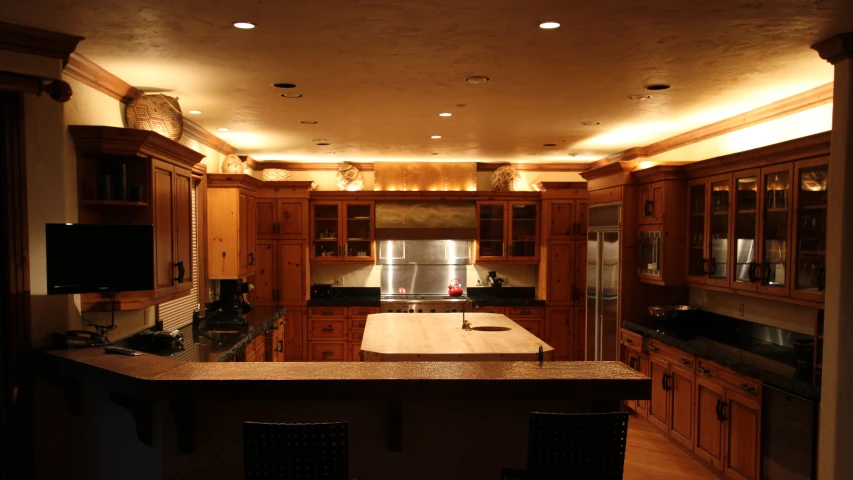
(668, 311)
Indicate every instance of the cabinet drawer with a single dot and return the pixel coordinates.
(676, 357)
(354, 312)
(532, 326)
(631, 340)
(327, 311)
(356, 335)
(499, 310)
(743, 385)
(327, 351)
(525, 312)
(324, 328)
(357, 323)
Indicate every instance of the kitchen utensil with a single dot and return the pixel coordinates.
(455, 288)
(668, 311)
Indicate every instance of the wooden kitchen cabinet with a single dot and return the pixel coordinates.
(652, 203)
(292, 276)
(659, 403)
(161, 171)
(742, 436)
(531, 319)
(561, 271)
(568, 219)
(282, 218)
(811, 190)
(507, 232)
(265, 281)
(681, 405)
(710, 230)
(342, 232)
(708, 424)
(294, 335)
(631, 353)
(231, 226)
(565, 332)
(673, 379)
(356, 321)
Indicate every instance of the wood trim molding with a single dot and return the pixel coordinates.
(535, 167)
(609, 169)
(251, 162)
(306, 166)
(803, 101)
(836, 49)
(129, 141)
(424, 196)
(34, 41)
(369, 166)
(93, 75)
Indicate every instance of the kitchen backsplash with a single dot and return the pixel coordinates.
(796, 318)
(370, 275)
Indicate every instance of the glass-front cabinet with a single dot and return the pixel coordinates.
(775, 207)
(811, 182)
(507, 232)
(745, 229)
(709, 230)
(342, 232)
(697, 253)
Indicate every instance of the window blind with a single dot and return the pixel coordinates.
(179, 312)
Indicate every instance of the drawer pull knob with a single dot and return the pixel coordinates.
(628, 340)
(654, 349)
(705, 370)
(685, 361)
(746, 388)
(327, 329)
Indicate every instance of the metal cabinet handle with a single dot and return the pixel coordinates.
(702, 263)
(684, 361)
(721, 405)
(632, 361)
(747, 388)
(252, 261)
(751, 272)
(327, 329)
(628, 340)
(821, 278)
(181, 272)
(647, 211)
(280, 347)
(766, 273)
(705, 370)
(713, 270)
(664, 381)
(654, 349)
(327, 353)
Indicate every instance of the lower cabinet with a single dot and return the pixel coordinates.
(293, 335)
(255, 351)
(327, 351)
(659, 404)
(741, 427)
(631, 354)
(681, 405)
(531, 319)
(709, 425)
(565, 332)
(335, 333)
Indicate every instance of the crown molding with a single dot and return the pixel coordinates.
(369, 166)
(34, 41)
(836, 49)
(306, 166)
(535, 167)
(93, 75)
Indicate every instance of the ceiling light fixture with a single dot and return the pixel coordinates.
(291, 95)
(445, 114)
(223, 129)
(308, 122)
(549, 144)
(477, 79)
(657, 86)
(284, 85)
(461, 105)
(435, 137)
(639, 97)
(195, 112)
(592, 123)
(549, 25)
(244, 25)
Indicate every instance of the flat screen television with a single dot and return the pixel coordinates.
(99, 258)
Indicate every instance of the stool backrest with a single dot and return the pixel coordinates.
(304, 451)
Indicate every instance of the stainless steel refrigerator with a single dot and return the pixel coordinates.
(602, 282)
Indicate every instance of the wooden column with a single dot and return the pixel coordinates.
(836, 411)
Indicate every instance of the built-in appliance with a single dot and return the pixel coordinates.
(321, 290)
(649, 252)
(602, 284)
(232, 298)
(419, 220)
(788, 437)
(416, 274)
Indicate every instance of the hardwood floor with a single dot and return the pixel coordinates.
(650, 455)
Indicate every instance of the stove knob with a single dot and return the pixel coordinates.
(398, 310)
(454, 310)
(420, 311)
(390, 310)
(431, 310)
(411, 311)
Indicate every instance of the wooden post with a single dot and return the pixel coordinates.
(836, 414)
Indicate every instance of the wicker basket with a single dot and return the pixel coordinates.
(276, 175)
(156, 113)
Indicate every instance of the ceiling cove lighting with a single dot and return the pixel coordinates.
(223, 129)
(195, 112)
(445, 114)
(244, 25)
(549, 25)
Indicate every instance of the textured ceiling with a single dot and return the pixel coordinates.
(375, 74)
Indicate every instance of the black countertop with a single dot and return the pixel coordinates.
(504, 296)
(348, 297)
(728, 348)
(223, 347)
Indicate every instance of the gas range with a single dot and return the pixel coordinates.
(422, 303)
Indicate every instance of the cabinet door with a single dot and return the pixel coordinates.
(658, 202)
(523, 234)
(252, 237)
(697, 255)
(775, 230)
(643, 405)
(354, 354)
(265, 292)
(289, 220)
(581, 213)
(810, 204)
(681, 406)
(709, 427)
(532, 325)
(243, 230)
(183, 229)
(293, 335)
(358, 232)
(630, 358)
(580, 273)
(744, 251)
(659, 404)
(491, 232)
(559, 323)
(563, 220)
(719, 230)
(561, 271)
(325, 230)
(291, 285)
(577, 341)
(741, 436)
(164, 225)
(646, 204)
(265, 214)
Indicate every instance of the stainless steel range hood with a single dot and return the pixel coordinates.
(418, 220)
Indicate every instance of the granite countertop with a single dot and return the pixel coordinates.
(349, 297)
(504, 296)
(721, 352)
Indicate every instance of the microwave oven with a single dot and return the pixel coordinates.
(649, 251)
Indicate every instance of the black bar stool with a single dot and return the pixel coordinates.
(303, 451)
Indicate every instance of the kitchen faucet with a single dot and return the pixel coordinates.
(466, 325)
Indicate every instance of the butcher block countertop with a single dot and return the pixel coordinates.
(440, 337)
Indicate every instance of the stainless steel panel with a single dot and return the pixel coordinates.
(649, 253)
(744, 256)
(719, 252)
(424, 252)
(593, 259)
(604, 216)
(421, 279)
(608, 348)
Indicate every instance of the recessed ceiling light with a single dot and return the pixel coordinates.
(445, 114)
(549, 25)
(434, 153)
(323, 144)
(195, 112)
(318, 139)
(592, 123)
(461, 105)
(223, 129)
(657, 86)
(308, 122)
(291, 95)
(639, 97)
(549, 144)
(435, 136)
(477, 79)
(284, 85)
(244, 25)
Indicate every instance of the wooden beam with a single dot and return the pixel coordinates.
(34, 41)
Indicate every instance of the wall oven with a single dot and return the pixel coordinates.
(649, 252)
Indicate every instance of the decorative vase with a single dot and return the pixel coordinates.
(349, 178)
(506, 179)
(156, 113)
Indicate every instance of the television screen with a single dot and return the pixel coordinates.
(99, 258)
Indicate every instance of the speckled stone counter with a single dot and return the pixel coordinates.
(504, 297)
(348, 297)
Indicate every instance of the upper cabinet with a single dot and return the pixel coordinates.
(811, 183)
(279, 218)
(342, 232)
(660, 246)
(709, 230)
(231, 226)
(652, 203)
(129, 176)
(507, 232)
(568, 219)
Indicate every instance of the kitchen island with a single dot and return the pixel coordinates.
(416, 337)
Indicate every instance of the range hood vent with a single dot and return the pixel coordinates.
(416, 220)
